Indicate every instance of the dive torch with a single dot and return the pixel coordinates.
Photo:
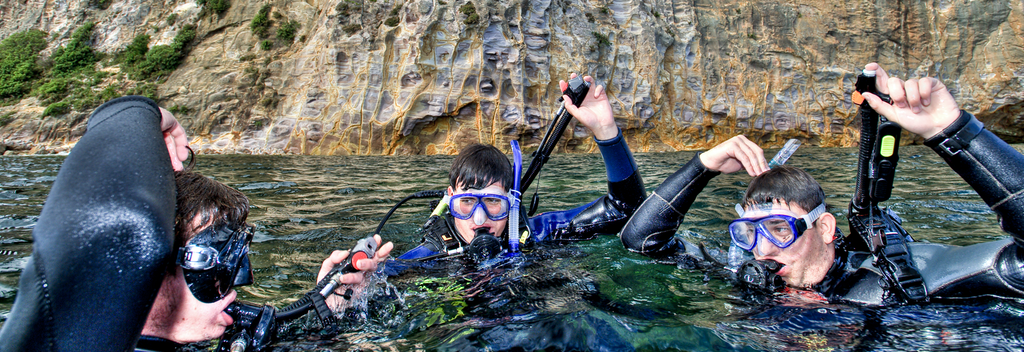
(255, 326)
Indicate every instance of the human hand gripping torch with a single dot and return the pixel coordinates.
(364, 249)
(255, 326)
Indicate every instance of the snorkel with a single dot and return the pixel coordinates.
(513, 216)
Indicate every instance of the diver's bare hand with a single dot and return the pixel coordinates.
(922, 106)
(737, 153)
(595, 112)
(175, 138)
(367, 265)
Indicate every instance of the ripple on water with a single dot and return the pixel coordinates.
(264, 185)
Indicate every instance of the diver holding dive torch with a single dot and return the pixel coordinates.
(255, 326)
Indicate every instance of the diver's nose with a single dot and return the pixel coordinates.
(479, 217)
(766, 248)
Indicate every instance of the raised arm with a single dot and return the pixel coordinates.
(651, 231)
(990, 165)
(103, 239)
(626, 190)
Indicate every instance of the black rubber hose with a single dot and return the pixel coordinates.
(420, 194)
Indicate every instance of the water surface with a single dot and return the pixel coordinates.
(592, 295)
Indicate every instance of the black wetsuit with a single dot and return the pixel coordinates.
(103, 240)
(987, 163)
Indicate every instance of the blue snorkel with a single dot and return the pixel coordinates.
(513, 217)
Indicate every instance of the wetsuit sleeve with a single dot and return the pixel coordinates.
(990, 165)
(651, 231)
(103, 240)
(608, 213)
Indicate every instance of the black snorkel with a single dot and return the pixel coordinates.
(577, 91)
(255, 326)
(881, 231)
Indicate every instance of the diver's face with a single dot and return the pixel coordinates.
(807, 260)
(178, 316)
(467, 228)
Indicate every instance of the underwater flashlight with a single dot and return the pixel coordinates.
(363, 249)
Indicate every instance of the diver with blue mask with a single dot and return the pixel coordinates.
(484, 191)
(796, 248)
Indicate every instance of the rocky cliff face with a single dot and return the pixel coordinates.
(422, 77)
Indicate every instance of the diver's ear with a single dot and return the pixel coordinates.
(827, 227)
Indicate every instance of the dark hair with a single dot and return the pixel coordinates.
(213, 202)
(478, 166)
(785, 183)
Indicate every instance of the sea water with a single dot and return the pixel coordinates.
(591, 295)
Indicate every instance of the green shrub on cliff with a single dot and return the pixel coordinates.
(602, 40)
(260, 24)
(18, 67)
(286, 32)
(77, 55)
(162, 59)
(58, 108)
(148, 90)
(470, 11)
(52, 90)
(215, 6)
(136, 51)
(467, 9)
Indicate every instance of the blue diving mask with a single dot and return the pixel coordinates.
(216, 260)
(462, 206)
(782, 230)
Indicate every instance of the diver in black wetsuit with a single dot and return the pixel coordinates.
(481, 190)
(108, 235)
(795, 242)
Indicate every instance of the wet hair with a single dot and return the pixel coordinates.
(214, 203)
(478, 166)
(787, 184)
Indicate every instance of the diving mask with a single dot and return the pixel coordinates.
(779, 229)
(216, 260)
(462, 206)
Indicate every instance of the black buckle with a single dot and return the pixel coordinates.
(951, 146)
(953, 143)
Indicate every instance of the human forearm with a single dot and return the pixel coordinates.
(990, 165)
(103, 239)
(651, 229)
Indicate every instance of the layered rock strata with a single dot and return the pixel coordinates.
(681, 74)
